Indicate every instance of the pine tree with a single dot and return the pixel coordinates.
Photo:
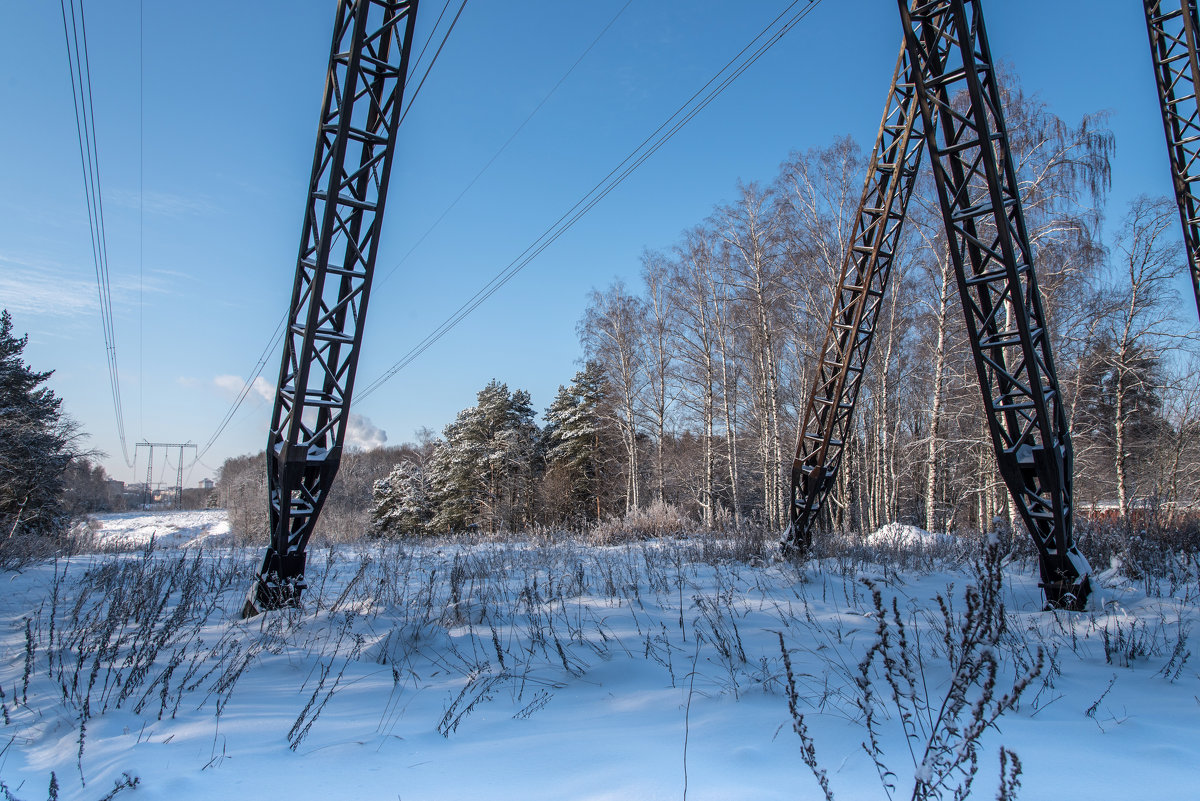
(483, 474)
(577, 443)
(517, 463)
(402, 502)
(37, 443)
(455, 475)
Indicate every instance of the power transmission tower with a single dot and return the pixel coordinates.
(1173, 27)
(993, 262)
(951, 80)
(364, 90)
(178, 488)
(829, 413)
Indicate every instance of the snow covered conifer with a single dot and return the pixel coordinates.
(483, 473)
(578, 444)
(37, 442)
(402, 501)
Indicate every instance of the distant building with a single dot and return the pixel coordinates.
(206, 484)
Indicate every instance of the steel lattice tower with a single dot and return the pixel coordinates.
(364, 90)
(178, 488)
(993, 262)
(829, 413)
(951, 80)
(1173, 27)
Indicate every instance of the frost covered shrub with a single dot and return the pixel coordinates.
(897, 547)
(19, 551)
(1147, 546)
(753, 543)
(656, 520)
(346, 516)
(900, 535)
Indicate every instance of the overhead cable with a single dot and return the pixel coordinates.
(277, 337)
(711, 89)
(75, 35)
(412, 97)
(263, 358)
(507, 142)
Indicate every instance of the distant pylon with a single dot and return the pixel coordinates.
(148, 495)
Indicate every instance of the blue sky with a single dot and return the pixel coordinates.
(204, 197)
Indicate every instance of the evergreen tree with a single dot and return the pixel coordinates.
(483, 474)
(578, 444)
(403, 502)
(37, 443)
(516, 463)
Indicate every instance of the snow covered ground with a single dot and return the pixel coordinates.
(559, 671)
(205, 527)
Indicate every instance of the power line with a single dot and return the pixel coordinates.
(413, 97)
(277, 337)
(141, 215)
(648, 147)
(79, 67)
(205, 465)
(507, 142)
(272, 343)
(162, 472)
(432, 32)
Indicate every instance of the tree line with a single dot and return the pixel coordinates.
(694, 381)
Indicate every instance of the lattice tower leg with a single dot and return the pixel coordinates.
(364, 90)
(858, 298)
(1173, 27)
(989, 247)
(179, 481)
(148, 495)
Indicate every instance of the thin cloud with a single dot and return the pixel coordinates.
(44, 289)
(166, 204)
(47, 288)
(361, 433)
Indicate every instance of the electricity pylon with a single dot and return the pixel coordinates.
(356, 134)
(1173, 27)
(950, 79)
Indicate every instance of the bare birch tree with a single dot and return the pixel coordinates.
(659, 360)
(751, 232)
(694, 329)
(612, 334)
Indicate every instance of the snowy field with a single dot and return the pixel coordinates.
(557, 671)
(193, 529)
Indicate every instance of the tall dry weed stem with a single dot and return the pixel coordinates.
(943, 734)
